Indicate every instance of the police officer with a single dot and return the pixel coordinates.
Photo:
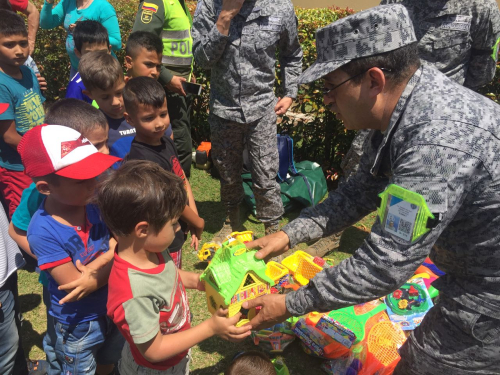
(432, 170)
(459, 38)
(171, 20)
(237, 40)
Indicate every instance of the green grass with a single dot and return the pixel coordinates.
(214, 355)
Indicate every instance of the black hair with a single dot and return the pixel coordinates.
(143, 39)
(12, 24)
(5, 4)
(76, 114)
(143, 90)
(397, 64)
(91, 32)
(99, 70)
(152, 194)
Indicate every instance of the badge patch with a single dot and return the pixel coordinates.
(153, 8)
(270, 24)
(457, 23)
(403, 214)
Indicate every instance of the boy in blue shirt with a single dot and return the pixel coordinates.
(66, 232)
(92, 124)
(102, 76)
(20, 89)
(88, 36)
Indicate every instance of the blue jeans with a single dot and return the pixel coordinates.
(50, 338)
(80, 347)
(12, 359)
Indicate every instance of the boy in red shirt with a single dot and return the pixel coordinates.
(147, 299)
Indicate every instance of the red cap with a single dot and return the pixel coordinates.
(47, 149)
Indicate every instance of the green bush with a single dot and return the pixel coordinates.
(319, 136)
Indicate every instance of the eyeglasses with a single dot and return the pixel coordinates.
(327, 91)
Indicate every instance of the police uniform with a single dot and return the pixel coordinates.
(171, 20)
(459, 38)
(443, 143)
(242, 98)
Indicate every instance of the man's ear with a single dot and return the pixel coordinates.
(377, 81)
(77, 53)
(43, 187)
(128, 63)
(141, 229)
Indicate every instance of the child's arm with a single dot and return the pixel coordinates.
(163, 347)
(195, 231)
(19, 237)
(9, 133)
(195, 222)
(191, 280)
(92, 276)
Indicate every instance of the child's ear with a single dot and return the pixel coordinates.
(128, 63)
(141, 229)
(43, 187)
(128, 119)
(77, 53)
(88, 93)
(109, 49)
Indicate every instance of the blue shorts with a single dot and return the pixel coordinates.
(80, 347)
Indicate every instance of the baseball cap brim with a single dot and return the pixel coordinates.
(3, 107)
(90, 167)
(318, 70)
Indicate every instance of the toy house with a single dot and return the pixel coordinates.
(234, 276)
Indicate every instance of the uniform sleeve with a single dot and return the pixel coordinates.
(147, 20)
(109, 20)
(343, 207)
(49, 251)
(290, 56)
(485, 41)
(382, 263)
(143, 319)
(50, 16)
(208, 42)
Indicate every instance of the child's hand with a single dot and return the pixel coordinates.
(225, 327)
(195, 242)
(82, 287)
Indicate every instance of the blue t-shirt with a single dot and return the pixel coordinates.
(25, 108)
(75, 89)
(55, 244)
(120, 137)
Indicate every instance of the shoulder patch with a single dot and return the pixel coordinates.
(150, 7)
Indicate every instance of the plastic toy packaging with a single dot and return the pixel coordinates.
(276, 338)
(408, 305)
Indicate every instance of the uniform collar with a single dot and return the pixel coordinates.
(395, 118)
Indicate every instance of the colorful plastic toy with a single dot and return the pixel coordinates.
(276, 338)
(277, 272)
(207, 251)
(280, 367)
(302, 266)
(383, 342)
(233, 276)
(244, 237)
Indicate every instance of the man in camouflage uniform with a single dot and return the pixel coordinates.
(237, 40)
(431, 139)
(460, 38)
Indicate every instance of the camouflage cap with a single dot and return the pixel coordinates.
(373, 31)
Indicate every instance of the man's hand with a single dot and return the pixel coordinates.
(175, 85)
(42, 82)
(230, 8)
(82, 287)
(226, 327)
(283, 105)
(270, 246)
(273, 310)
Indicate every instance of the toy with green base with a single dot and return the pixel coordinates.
(233, 277)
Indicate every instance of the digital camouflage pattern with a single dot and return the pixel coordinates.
(367, 33)
(243, 63)
(443, 142)
(228, 141)
(460, 38)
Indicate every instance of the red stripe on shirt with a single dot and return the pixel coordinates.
(46, 266)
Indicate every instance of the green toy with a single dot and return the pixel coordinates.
(233, 277)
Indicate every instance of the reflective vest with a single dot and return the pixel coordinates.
(176, 34)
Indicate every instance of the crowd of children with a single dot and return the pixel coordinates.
(112, 276)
